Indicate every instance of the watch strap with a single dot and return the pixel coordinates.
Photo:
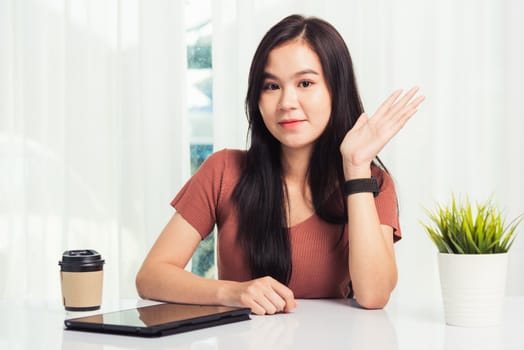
(361, 185)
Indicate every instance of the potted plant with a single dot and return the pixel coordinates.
(473, 245)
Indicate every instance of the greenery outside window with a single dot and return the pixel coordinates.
(200, 110)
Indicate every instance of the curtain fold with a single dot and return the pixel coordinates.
(93, 139)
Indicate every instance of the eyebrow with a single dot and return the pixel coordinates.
(299, 73)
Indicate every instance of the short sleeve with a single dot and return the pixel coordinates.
(198, 199)
(386, 202)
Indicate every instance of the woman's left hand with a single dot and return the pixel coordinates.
(369, 135)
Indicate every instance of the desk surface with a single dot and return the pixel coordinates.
(315, 324)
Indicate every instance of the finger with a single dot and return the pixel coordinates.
(394, 125)
(256, 308)
(265, 303)
(256, 297)
(278, 304)
(410, 109)
(286, 294)
(267, 295)
(407, 116)
(249, 300)
(398, 117)
(361, 121)
(416, 102)
(386, 105)
(404, 100)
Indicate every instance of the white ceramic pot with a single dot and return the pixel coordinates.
(473, 288)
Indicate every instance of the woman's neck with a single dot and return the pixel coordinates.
(295, 164)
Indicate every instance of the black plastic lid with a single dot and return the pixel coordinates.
(81, 260)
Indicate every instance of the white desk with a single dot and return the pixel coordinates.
(315, 324)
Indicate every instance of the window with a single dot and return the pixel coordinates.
(200, 105)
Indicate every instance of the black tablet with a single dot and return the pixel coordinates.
(158, 320)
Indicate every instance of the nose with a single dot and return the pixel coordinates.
(288, 99)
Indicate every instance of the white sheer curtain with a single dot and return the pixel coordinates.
(467, 137)
(92, 136)
(93, 143)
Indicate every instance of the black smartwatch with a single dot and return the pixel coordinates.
(361, 185)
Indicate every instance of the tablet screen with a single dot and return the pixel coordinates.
(155, 315)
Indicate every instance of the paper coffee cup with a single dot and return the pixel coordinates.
(81, 277)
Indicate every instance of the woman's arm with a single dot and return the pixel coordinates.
(162, 277)
(372, 264)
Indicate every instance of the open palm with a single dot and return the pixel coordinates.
(369, 135)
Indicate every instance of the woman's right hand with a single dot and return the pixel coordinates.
(265, 296)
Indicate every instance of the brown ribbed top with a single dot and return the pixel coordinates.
(319, 253)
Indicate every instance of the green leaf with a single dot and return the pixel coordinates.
(461, 228)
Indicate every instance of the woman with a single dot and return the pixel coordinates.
(297, 215)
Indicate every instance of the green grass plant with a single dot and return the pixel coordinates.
(461, 229)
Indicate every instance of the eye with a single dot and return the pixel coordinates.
(270, 86)
(305, 83)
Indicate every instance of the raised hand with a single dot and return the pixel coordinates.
(369, 135)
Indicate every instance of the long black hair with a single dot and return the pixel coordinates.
(260, 192)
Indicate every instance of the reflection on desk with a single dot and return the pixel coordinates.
(315, 324)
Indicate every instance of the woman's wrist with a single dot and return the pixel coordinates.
(356, 172)
(223, 292)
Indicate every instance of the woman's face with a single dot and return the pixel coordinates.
(295, 102)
